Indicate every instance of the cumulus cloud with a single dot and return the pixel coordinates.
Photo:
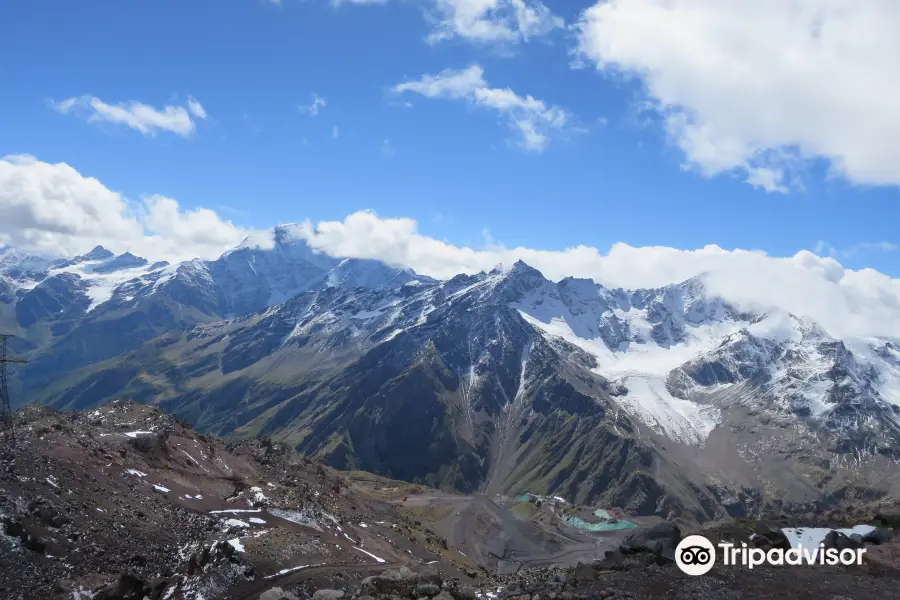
(136, 115)
(53, 209)
(760, 88)
(844, 301)
(531, 119)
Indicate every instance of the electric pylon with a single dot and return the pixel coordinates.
(6, 418)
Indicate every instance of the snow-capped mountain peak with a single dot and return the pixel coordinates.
(676, 357)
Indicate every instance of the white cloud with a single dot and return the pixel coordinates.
(196, 109)
(55, 210)
(493, 20)
(313, 108)
(761, 87)
(531, 119)
(484, 21)
(844, 301)
(136, 115)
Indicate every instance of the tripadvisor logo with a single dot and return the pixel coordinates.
(696, 555)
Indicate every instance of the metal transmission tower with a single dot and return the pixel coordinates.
(6, 420)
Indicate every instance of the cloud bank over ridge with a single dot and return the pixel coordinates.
(53, 209)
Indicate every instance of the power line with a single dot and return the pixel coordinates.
(6, 418)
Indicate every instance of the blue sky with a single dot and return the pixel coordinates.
(610, 174)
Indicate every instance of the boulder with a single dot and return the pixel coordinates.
(428, 589)
(613, 559)
(878, 536)
(328, 595)
(889, 518)
(769, 536)
(401, 574)
(465, 593)
(659, 540)
(277, 593)
(836, 539)
(128, 587)
(584, 572)
(430, 576)
(381, 584)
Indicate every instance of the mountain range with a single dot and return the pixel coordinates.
(671, 401)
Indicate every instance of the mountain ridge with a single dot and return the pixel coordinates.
(654, 399)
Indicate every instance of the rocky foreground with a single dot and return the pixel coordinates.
(125, 502)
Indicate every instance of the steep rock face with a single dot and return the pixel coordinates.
(123, 261)
(250, 278)
(7, 291)
(58, 298)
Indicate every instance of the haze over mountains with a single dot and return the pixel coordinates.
(673, 400)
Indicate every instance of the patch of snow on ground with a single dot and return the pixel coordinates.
(258, 495)
(256, 521)
(301, 518)
(162, 489)
(135, 472)
(236, 544)
(194, 460)
(379, 560)
(234, 510)
(134, 434)
(811, 537)
(291, 570)
(236, 523)
(52, 481)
